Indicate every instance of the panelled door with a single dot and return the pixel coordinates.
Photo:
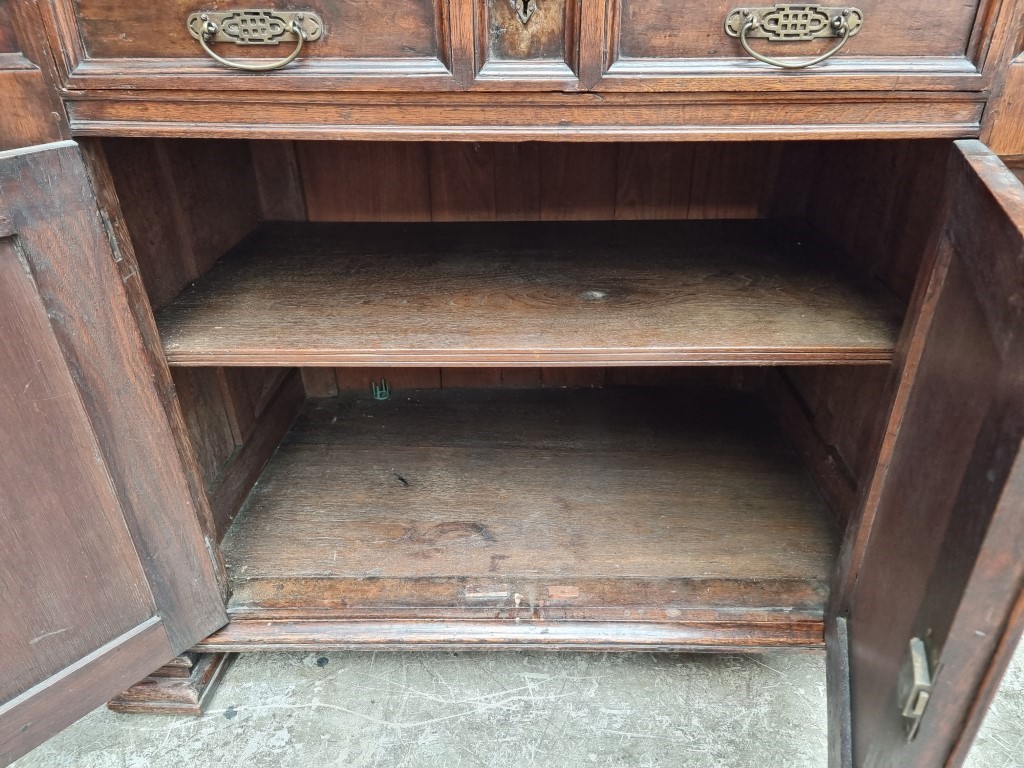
(938, 569)
(105, 570)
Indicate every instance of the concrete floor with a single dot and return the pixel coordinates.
(446, 710)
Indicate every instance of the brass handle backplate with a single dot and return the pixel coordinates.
(793, 23)
(255, 27)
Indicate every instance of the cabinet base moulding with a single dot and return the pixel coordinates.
(181, 687)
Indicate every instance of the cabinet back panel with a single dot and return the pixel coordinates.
(454, 181)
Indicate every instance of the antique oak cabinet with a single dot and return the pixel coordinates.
(561, 324)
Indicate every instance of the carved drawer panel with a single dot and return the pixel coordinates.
(526, 41)
(902, 44)
(350, 44)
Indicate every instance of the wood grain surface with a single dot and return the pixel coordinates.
(626, 504)
(557, 294)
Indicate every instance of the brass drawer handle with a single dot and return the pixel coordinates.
(790, 23)
(257, 27)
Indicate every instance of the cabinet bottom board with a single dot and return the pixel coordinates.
(625, 518)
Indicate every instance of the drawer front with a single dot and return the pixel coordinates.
(364, 44)
(529, 44)
(895, 44)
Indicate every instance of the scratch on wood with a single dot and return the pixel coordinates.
(45, 635)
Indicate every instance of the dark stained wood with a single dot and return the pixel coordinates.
(365, 182)
(844, 410)
(885, 227)
(168, 692)
(237, 474)
(206, 414)
(465, 294)
(948, 529)
(831, 473)
(320, 382)
(623, 505)
(361, 379)
(837, 681)
(653, 181)
(463, 183)
(578, 182)
(89, 443)
(517, 182)
(276, 166)
(184, 202)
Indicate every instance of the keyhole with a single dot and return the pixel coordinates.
(525, 9)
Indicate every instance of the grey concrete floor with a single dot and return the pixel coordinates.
(446, 710)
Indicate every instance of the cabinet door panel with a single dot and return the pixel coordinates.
(941, 561)
(105, 571)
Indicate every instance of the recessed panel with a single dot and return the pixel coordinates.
(541, 36)
(687, 29)
(352, 29)
(527, 40)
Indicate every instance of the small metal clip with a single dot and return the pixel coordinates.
(915, 686)
(380, 391)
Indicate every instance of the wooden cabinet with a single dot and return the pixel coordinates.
(601, 395)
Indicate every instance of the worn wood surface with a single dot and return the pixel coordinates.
(641, 45)
(88, 443)
(585, 505)
(535, 117)
(948, 529)
(30, 113)
(667, 29)
(181, 688)
(466, 294)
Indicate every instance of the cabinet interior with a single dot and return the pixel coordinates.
(635, 389)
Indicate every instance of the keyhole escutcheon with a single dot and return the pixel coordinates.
(524, 9)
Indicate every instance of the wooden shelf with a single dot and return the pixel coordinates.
(594, 293)
(619, 518)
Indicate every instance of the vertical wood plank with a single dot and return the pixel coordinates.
(730, 180)
(654, 181)
(320, 382)
(276, 166)
(462, 181)
(209, 428)
(365, 181)
(517, 182)
(578, 181)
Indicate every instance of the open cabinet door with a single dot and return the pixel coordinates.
(943, 560)
(105, 570)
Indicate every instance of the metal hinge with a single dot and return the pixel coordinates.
(915, 688)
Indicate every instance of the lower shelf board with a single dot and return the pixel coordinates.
(650, 518)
